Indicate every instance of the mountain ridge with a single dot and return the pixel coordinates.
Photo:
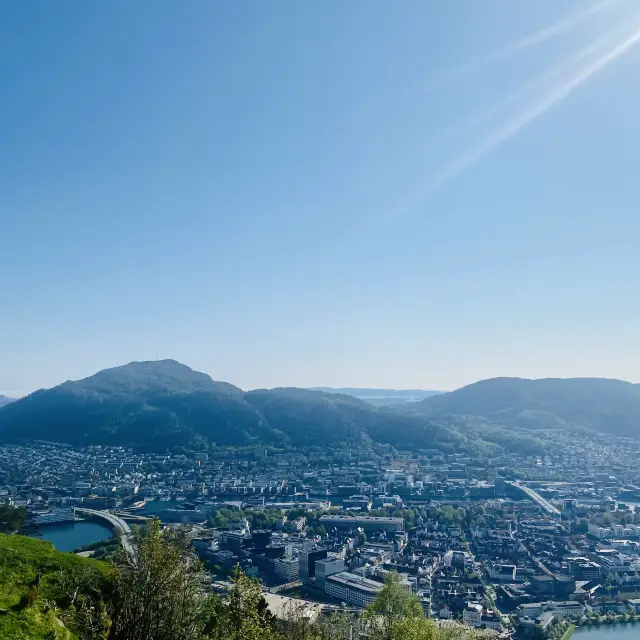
(165, 403)
(599, 404)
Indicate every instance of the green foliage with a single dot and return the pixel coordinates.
(159, 592)
(161, 589)
(258, 519)
(396, 614)
(11, 518)
(581, 526)
(244, 614)
(44, 592)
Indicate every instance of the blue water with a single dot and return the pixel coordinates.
(156, 507)
(70, 536)
(181, 512)
(629, 631)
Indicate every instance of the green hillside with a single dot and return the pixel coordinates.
(39, 595)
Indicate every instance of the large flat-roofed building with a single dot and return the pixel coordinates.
(351, 588)
(368, 523)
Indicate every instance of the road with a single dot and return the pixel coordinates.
(536, 497)
(117, 525)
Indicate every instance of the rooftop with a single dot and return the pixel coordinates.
(355, 582)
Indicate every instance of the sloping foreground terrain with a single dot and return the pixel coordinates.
(38, 588)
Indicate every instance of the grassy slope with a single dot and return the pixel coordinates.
(20, 560)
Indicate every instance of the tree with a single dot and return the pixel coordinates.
(160, 589)
(581, 526)
(244, 614)
(297, 625)
(11, 518)
(219, 521)
(396, 614)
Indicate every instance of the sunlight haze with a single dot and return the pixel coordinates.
(371, 194)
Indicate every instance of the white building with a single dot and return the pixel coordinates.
(54, 516)
(600, 532)
(568, 609)
(530, 610)
(287, 569)
(352, 589)
(491, 621)
(472, 614)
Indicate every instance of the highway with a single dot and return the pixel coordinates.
(119, 527)
(536, 497)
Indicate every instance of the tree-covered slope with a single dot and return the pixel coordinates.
(163, 404)
(136, 403)
(598, 404)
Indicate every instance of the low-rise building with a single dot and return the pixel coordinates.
(472, 614)
(502, 572)
(367, 523)
(568, 609)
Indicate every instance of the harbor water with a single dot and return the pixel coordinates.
(69, 536)
(628, 631)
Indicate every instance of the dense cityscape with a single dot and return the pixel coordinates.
(475, 540)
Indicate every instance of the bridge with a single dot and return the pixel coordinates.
(120, 528)
(536, 497)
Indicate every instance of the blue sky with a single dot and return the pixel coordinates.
(366, 193)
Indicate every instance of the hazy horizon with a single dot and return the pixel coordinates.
(18, 393)
(394, 195)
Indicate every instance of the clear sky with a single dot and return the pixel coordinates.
(367, 193)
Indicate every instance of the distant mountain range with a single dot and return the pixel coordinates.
(165, 403)
(5, 400)
(597, 404)
(162, 404)
(382, 397)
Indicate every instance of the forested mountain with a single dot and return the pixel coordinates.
(597, 404)
(4, 400)
(165, 403)
(155, 405)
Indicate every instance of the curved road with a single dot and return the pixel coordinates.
(114, 522)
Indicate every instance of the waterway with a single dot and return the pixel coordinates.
(157, 507)
(69, 536)
(628, 631)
